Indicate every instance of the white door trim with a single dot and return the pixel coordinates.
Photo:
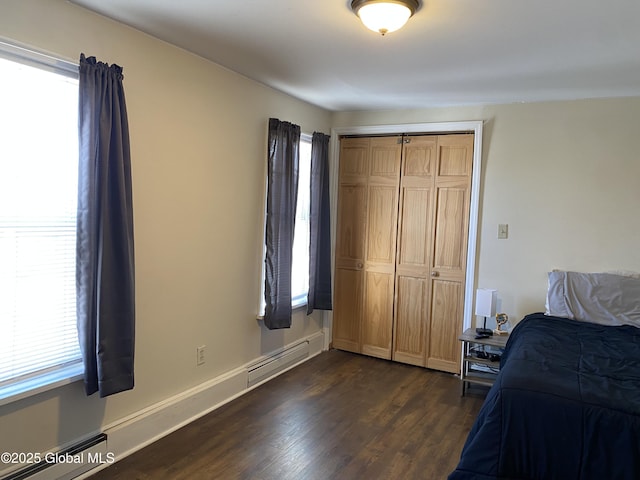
(473, 126)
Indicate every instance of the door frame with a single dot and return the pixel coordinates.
(472, 126)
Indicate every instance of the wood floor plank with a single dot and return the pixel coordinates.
(337, 416)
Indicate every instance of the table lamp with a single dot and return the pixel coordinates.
(486, 300)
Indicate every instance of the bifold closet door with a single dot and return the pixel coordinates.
(432, 245)
(451, 230)
(414, 257)
(403, 215)
(350, 243)
(380, 247)
(366, 244)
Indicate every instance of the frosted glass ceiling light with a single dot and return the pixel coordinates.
(384, 16)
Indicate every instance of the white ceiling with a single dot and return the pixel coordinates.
(451, 52)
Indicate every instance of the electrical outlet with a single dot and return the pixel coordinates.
(200, 355)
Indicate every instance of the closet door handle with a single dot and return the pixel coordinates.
(435, 274)
(359, 265)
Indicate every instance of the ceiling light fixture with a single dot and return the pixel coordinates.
(384, 16)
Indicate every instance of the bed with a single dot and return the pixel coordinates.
(566, 403)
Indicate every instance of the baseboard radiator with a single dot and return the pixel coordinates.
(276, 363)
(67, 463)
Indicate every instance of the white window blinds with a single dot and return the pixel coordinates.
(38, 195)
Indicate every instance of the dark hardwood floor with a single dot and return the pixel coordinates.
(337, 416)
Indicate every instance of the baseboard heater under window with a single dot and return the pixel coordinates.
(68, 463)
(276, 363)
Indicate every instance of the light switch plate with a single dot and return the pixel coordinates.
(503, 231)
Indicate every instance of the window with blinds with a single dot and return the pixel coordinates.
(38, 195)
(301, 233)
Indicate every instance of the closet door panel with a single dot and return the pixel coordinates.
(410, 338)
(366, 244)
(454, 154)
(354, 154)
(446, 313)
(380, 247)
(381, 235)
(351, 223)
(385, 160)
(347, 318)
(451, 229)
(378, 314)
(350, 244)
(413, 259)
(450, 233)
(414, 229)
(419, 157)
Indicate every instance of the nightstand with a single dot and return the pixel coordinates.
(475, 369)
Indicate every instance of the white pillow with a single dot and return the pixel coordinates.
(602, 298)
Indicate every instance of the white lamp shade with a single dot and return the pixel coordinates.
(384, 17)
(486, 300)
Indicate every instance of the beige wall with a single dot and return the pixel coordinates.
(198, 141)
(565, 176)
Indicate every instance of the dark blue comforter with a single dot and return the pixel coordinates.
(566, 405)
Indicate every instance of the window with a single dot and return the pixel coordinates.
(300, 267)
(38, 196)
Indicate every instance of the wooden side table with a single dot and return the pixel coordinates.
(475, 369)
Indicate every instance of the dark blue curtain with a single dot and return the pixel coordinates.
(282, 195)
(319, 296)
(105, 254)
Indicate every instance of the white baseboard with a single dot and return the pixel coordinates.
(142, 428)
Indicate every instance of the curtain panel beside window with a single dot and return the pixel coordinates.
(105, 249)
(319, 296)
(282, 193)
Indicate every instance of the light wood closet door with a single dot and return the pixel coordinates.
(382, 221)
(451, 228)
(414, 257)
(403, 215)
(350, 243)
(366, 245)
(431, 258)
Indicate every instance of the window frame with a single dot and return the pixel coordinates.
(62, 374)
